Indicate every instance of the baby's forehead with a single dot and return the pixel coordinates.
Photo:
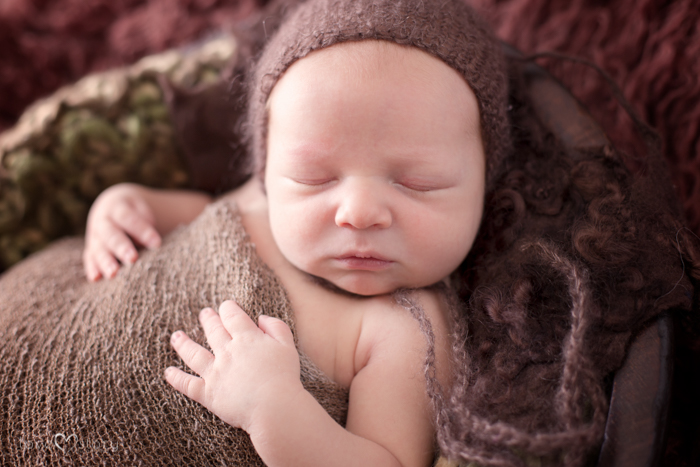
(345, 73)
(361, 64)
(366, 52)
(367, 58)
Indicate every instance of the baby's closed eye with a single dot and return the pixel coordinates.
(426, 181)
(419, 185)
(313, 180)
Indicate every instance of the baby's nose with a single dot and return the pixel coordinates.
(362, 206)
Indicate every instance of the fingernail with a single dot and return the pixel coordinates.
(176, 335)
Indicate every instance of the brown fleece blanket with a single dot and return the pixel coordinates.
(81, 364)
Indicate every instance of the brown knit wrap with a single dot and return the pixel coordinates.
(81, 364)
(448, 30)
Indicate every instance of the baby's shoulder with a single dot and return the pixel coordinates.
(409, 309)
(400, 326)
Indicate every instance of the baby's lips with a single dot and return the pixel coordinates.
(364, 262)
(363, 255)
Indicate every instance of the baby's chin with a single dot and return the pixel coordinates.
(368, 290)
(367, 283)
(364, 286)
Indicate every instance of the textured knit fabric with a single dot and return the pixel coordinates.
(81, 364)
(448, 30)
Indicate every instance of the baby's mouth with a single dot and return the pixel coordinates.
(364, 261)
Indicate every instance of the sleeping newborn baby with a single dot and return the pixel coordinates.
(374, 141)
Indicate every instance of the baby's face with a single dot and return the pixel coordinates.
(375, 167)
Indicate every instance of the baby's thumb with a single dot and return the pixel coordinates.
(276, 328)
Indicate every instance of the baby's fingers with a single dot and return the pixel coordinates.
(138, 225)
(189, 385)
(99, 259)
(119, 244)
(234, 319)
(90, 265)
(194, 355)
(214, 329)
(276, 328)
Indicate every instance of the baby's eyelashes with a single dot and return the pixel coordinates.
(422, 186)
(314, 182)
(415, 187)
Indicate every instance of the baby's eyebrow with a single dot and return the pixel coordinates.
(310, 151)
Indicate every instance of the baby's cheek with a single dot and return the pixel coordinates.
(445, 240)
(292, 230)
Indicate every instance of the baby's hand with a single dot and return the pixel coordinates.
(119, 215)
(250, 367)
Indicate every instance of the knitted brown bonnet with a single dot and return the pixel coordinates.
(448, 30)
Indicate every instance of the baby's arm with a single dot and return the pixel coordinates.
(252, 381)
(128, 213)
